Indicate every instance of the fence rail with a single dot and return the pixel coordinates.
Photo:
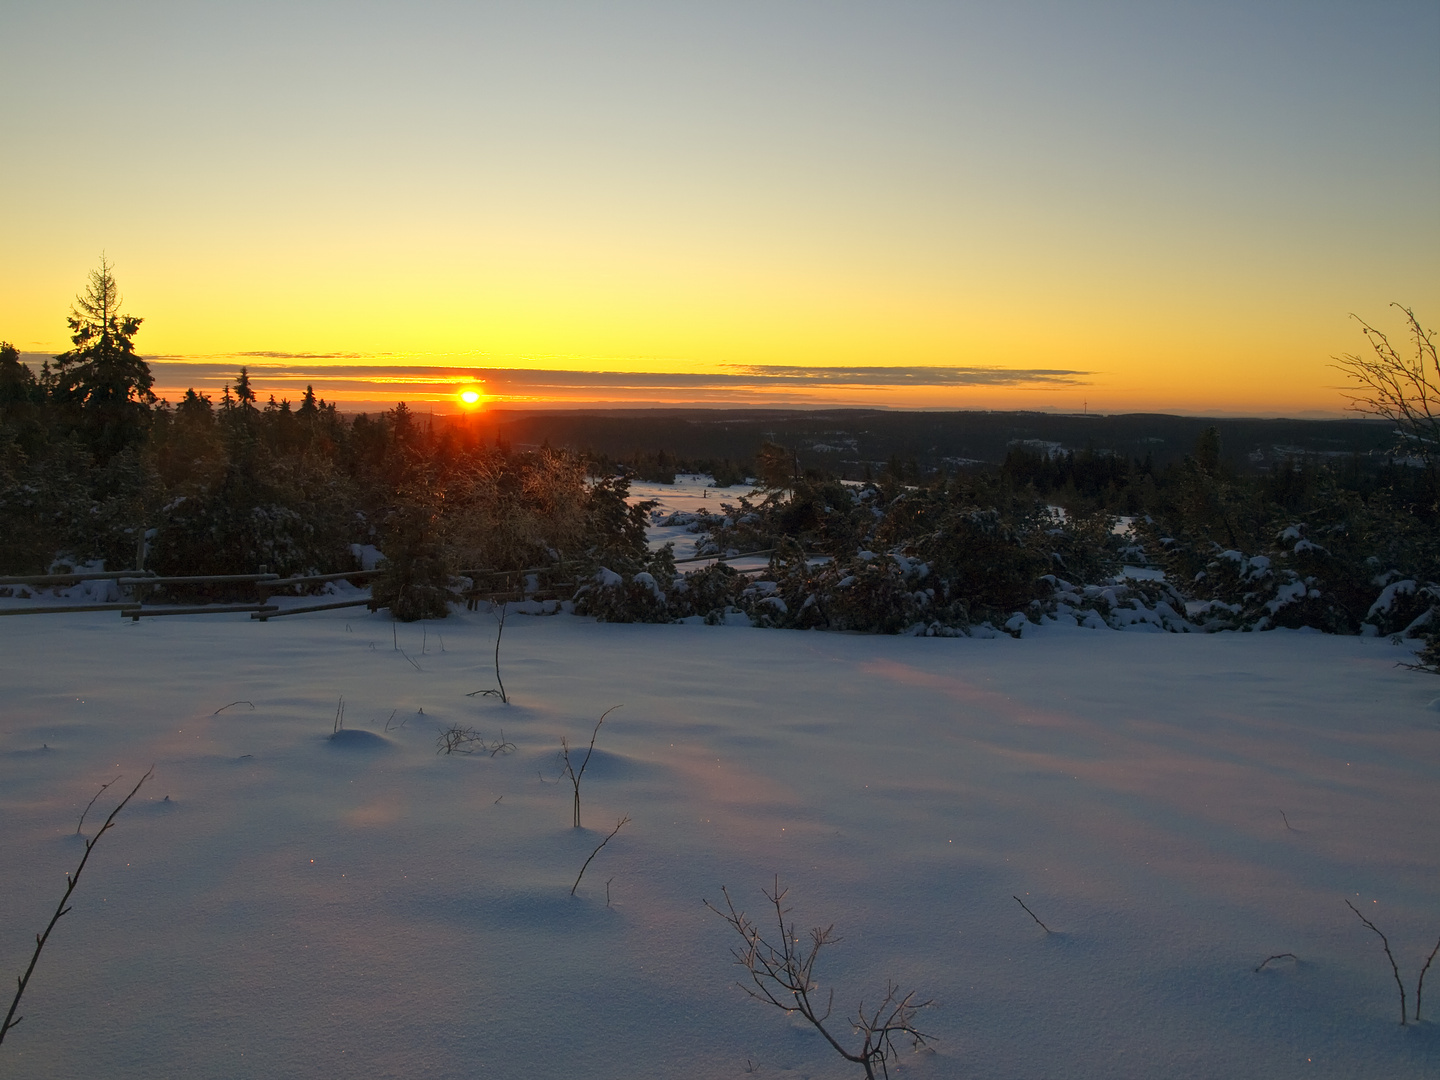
(43, 581)
(200, 579)
(268, 613)
(135, 614)
(64, 609)
(266, 584)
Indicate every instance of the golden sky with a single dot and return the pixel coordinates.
(1112, 206)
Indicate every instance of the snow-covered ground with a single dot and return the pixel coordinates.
(280, 903)
(689, 498)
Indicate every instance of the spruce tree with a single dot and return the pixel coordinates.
(102, 378)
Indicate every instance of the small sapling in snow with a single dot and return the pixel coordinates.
(499, 691)
(60, 909)
(618, 826)
(783, 976)
(1395, 968)
(1385, 944)
(569, 771)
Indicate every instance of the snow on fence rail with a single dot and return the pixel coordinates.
(135, 614)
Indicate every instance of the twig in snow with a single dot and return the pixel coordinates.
(222, 708)
(1388, 954)
(1286, 820)
(60, 909)
(339, 716)
(1031, 914)
(1277, 956)
(618, 826)
(90, 804)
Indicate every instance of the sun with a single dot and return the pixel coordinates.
(470, 397)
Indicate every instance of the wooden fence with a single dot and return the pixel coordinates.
(491, 585)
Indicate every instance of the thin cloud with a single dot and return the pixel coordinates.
(918, 376)
(305, 355)
(286, 374)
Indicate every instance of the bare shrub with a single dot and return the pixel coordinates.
(466, 740)
(783, 976)
(1403, 389)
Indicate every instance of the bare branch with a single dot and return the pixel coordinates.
(782, 975)
(92, 803)
(1399, 387)
(1032, 914)
(60, 909)
(618, 826)
(1388, 955)
(1277, 956)
(1420, 986)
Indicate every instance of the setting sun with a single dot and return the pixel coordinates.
(470, 397)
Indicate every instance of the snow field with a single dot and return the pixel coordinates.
(302, 906)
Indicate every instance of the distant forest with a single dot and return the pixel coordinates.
(948, 522)
(860, 444)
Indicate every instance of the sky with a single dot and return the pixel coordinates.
(1101, 206)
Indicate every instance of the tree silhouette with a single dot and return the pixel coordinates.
(102, 378)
